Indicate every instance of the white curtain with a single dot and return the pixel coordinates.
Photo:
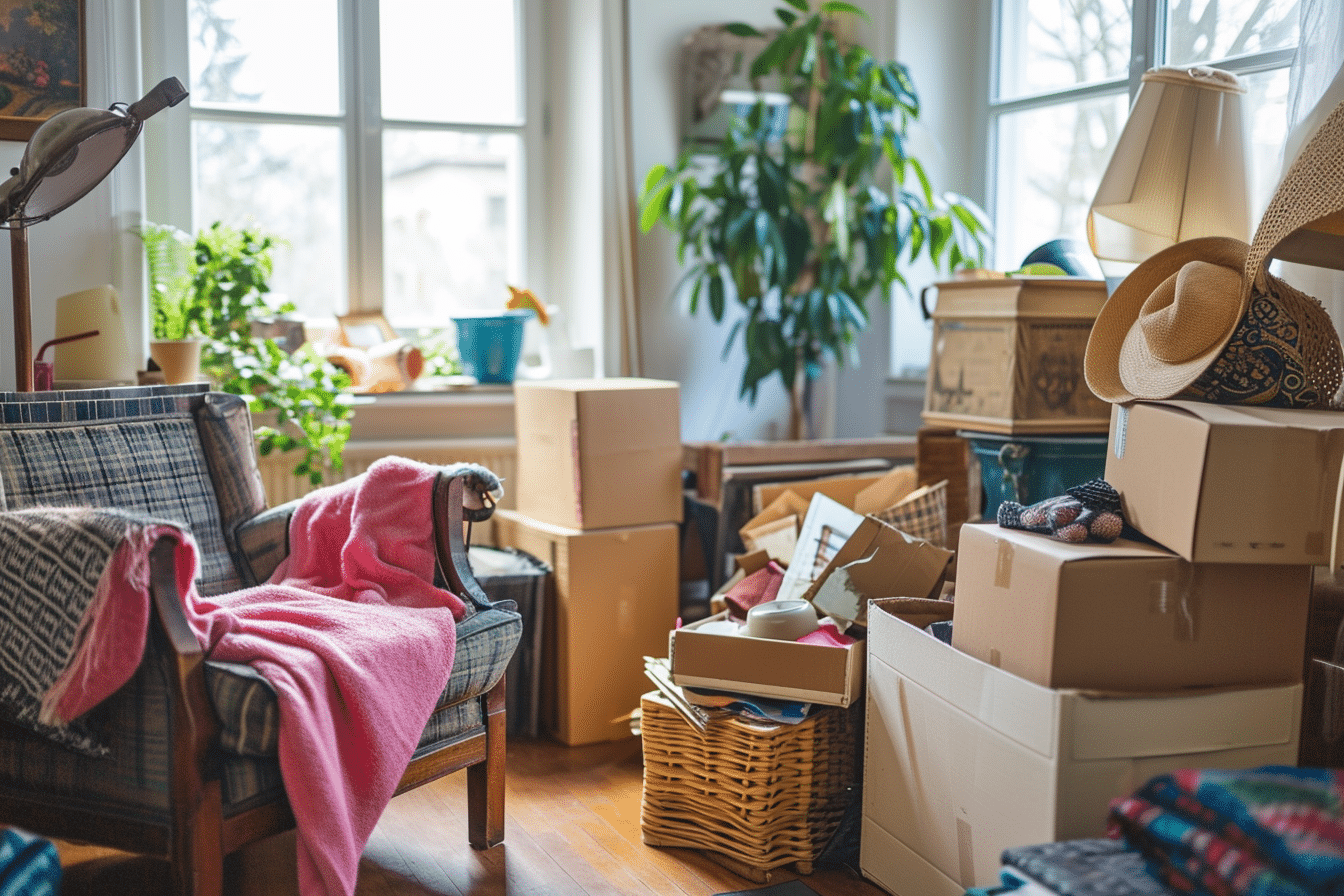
(620, 201)
(1315, 88)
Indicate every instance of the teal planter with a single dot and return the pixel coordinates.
(490, 344)
(1027, 469)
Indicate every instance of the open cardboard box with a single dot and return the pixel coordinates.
(892, 564)
(963, 760)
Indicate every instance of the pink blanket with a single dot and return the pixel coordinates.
(358, 643)
(350, 630)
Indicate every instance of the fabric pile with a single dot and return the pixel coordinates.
(1270, 831)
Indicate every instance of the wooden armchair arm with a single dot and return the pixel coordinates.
(194, 729)
(452, 504)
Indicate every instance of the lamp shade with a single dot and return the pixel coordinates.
(1179, 170)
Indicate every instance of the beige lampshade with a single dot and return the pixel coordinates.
(1179, 170)
(105, 358)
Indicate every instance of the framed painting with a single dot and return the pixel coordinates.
(42, 63)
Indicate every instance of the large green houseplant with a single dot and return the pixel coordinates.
(224, 289)
(799, 231)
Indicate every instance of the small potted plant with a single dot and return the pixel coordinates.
(178, 318)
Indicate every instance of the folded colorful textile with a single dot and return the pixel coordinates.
(1270, 831)
(1090, 511)
(1089, 867)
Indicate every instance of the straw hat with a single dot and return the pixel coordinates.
(1204, 319)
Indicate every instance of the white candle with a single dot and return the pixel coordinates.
(105, 357)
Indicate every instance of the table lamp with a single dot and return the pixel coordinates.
(1179, 170)
(69, 154)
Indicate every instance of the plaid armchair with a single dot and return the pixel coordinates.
(192, 774)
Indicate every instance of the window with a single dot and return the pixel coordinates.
(392, 145)
(1066, 73)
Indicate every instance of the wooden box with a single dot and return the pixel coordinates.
(1007, 356)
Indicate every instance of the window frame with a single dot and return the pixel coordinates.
(1148, 47)
(165, 38)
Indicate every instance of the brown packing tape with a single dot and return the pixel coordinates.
(1003, 565)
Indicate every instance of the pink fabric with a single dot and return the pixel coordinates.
(827, 634)
(358, 644)
(756, 588)
(111, 639)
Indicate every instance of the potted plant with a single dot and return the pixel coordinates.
(797, 231)
(301, 396)
(177, 317)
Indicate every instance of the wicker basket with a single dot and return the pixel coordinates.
(757, 797)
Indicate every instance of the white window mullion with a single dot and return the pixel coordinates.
(364, 144)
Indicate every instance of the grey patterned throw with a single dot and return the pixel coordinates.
(51, 560)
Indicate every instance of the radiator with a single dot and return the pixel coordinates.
(500, 455)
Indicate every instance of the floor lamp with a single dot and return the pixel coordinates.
(69, 154)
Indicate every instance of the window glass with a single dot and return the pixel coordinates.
(286, 180)
(428, 78)
(264, 55)
(1046, 46)
(452, 226)
(1050, 160)
(1266, 105)
(1201, 30)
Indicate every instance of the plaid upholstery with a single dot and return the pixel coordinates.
(132, 781)
(139, 451)
(264, 542)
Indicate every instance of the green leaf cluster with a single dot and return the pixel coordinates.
(797, 233)
(306, 396)
(175, 312)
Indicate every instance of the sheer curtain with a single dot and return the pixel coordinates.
(1316, 87)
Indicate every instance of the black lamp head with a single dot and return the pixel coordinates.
(71, 153)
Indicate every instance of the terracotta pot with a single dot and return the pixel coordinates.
(179, 359)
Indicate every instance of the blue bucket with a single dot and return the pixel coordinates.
(490, 344)
(1027, 469)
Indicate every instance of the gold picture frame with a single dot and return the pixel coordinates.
(42, 64)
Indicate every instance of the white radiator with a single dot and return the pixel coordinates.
(500, 455)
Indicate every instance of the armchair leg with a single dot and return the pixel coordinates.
(197, 865)
(485, 780)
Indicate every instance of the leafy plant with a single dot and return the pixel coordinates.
(231, 270)
(174, 309)
(799, 231)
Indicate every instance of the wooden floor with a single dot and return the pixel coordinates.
(572, 828)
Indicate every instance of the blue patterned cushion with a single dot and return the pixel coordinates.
(136, 449)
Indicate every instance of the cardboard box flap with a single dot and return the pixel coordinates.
(1062, 552)
(1101, 727)
(899, 566)
(1242, 415)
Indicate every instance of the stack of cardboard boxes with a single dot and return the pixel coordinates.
(1078, 671)
(599, 499)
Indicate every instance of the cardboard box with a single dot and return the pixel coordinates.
(788, 670)
(1008, 356)
(888, 563)
(963, 760)
(615, 599)
(599, 454)
(1125, 616)
(1228, 484)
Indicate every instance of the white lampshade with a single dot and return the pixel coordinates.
(1179, 170)
(105, 358)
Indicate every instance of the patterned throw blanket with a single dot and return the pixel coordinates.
(58, 568)
(1271, 831)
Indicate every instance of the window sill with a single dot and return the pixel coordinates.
(478, 412)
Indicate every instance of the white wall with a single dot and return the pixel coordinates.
(88, 244)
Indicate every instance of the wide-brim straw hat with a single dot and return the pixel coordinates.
(1204, 319)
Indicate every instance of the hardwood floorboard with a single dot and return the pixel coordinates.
(571, 829)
